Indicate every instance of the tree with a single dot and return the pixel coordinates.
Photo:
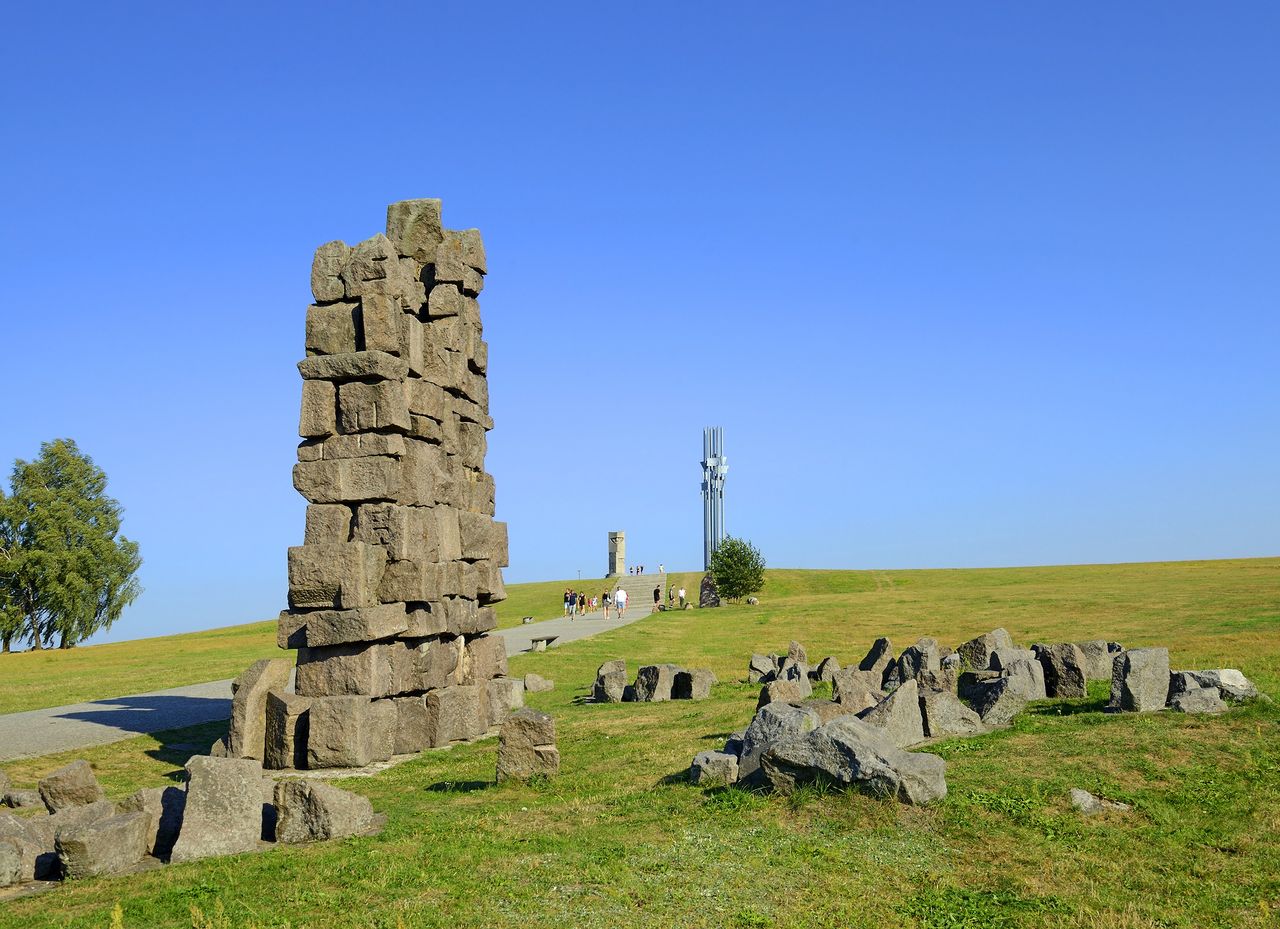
(737, 567)
(64, 569)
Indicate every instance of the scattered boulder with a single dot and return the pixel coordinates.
(921, 657)
(10, 861)
(109, 846)
(71, 785)
(976, 653)
(1065, 670)
(1090, 805)
(942, 714)
(536, 684)
(21, 799)
(773, 723)
(1198, 700)
(654, 682)
(611, 682)
(1097, 659)
(247, 735)
(848, 752)
(224, 808)
(761, 669)
(878, 658)
(1001, 658)
(1229, 682)
(707, 596)
(783, 692)
(38, 836)
(692, 684)
(898, 715)
(504, 696)
(998, 701)
(288, 719)
(951, 661)
(970, 683)
(1140, 680)
(527, 746)
(827, 710)
(713, 769)
(310, 811)
(856, 689)
(892, 676)
(796, 652)
(826, 670)
(163, 807)
(944, 680)
(1027, 677)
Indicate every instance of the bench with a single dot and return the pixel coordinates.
(541, 642)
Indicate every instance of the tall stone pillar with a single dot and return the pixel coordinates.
(617, 553)
(391, 593)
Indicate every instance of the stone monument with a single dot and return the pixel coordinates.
(391, 593)
(617, 554)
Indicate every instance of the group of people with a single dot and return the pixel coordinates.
(639, 569)
(671, 596)
(576, 603)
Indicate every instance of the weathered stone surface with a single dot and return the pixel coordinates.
(415, 227)
(1002, 658)
(611, 682)
(505, 695)
(457, 713)
(921, 657)
(708, 598)
(374, 260)
(692, 684)
(878, 658)
(536, 683)
(976, 653)
(773, 723)
(825, 670)
(1027, 677)
(318, 628)
(326, 271)
(34, 844)
(857, 689)
(827, 710)
(331, 328)
(942, 715)
(792, 670)
(898, 715)
(527, 746)
(761, 669)
(349, 731)
(1065, 669)
(1140, 680)
(780, 691)
(10, 861)
(1198, 700)
(246, 737)
(1090, 805)
(285, 745)
(73, 784)
(487, 659)
(107, 847)
(1230, 683)
(163, 807)
(361, 668)
(412, 729)
(223, 813)
(796, 652)
(998, 701)
(352, 366)
(713, 769)
(327, 524)
(942, 680)
(848, 752)
(970, 683)
(4, 783)
(1097, 659)
(342, 576)
(319, 416)
(309, 811)
(365, 407)
(654, 682)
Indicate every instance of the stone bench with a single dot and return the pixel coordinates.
(541, 642)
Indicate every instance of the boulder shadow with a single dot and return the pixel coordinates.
(1071, 707)
(146, 714)
(458, 787)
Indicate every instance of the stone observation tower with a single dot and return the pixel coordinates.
(714, 468)
(391, 593)
(617, 554)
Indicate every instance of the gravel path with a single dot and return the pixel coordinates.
(64, 728)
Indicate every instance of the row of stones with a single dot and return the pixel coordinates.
(653, 684)
(227, 806)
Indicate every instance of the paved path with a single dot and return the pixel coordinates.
(65, 728)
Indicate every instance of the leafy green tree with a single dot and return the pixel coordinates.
(65, 571)
(737, 567)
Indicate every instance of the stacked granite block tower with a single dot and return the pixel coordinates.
(391, 593)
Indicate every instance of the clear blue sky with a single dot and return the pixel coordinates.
(965, 284)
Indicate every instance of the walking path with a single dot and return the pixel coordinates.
(65, 728)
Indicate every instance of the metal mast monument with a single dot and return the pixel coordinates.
(714, 468)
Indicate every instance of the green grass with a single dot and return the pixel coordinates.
(622, 839)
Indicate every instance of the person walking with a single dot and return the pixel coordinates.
(582, 604)
(657, 597)
(566, 601)
(681, 595)
(604, 599)
(661, 568)
(620, 600)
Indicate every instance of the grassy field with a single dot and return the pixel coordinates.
(621, 838)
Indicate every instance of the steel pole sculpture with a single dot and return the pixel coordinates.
(714, 468)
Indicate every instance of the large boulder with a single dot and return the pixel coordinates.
(37, 835)
(163, 807)
(1140, 680)
(10, 861)
(109, 846)
(998, 701)
(693, 684)
(1229, 682)
(856, 689)
(942, 715)
(1027, 677)
(73, 784)
(224, 808)
(878, 658)
(976, 653)
(527, 746)
(1065, 669)
(923, 656)
(898, 715)
(848, 752)
(942, 680)
(611, 682)
(793, 670)
(536, 684)
(783, 692)
(349, 732)
(18, 799)
(1002, 658)
(1197, 700)
(1097, 659)
(796, 652)
(457, 714)
(288, 719)
(247, 735)
(773, 723)
(826, 670)
(654, 682)
(713, 769)
(761, 669)
(505, 696)
(308, 811)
